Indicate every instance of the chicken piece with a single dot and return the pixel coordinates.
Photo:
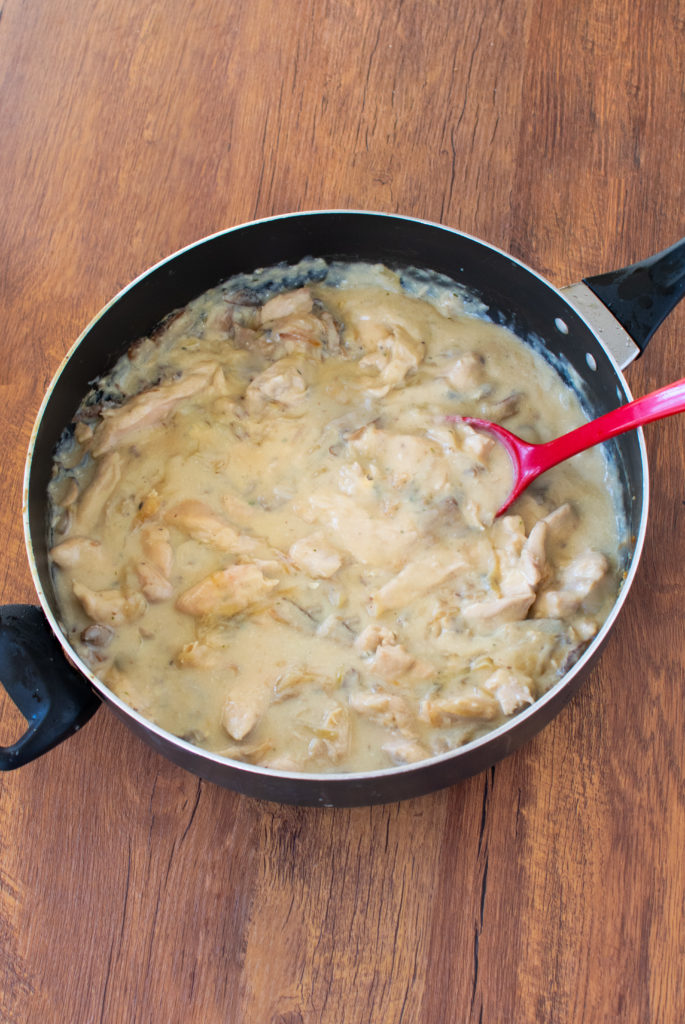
(533, 561)
(315, 556)
(386, 709)
(390, 661)
(286, 304)
(155, 568)
(153, 583)
(372, 636)
(306, 334)
(83, 433)
(576, 582)
(404, 750)
(255, 753)
(487, 616)
(149, 506)
(284, 382)
(467, 375)
(332, 737)
(243, 709)
(197, 519)
(561, 520)
(417, 578)
(442, 711)
(296, 678)
(477, 444)
(468, 449)
(522, 560)
(508, 537)
(197, 655)
(396, 356)
(67, 492)
(110, 607)
(153, 406)
(81, 553)
(512, 689)
(405, 459)
(584, 629)
(356, 482)
(525, 647)
(156, 547)
(309, 331)
(238, 510)
(585, 572)
(556, 604)
(92, 503)
(370, 540)
(226, 592)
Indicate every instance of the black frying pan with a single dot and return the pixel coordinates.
(58, 693)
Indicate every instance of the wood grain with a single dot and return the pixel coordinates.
(551, 887)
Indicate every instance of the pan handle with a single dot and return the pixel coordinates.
(53, 697)
(642, 295)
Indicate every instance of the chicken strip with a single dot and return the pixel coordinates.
(226, 592)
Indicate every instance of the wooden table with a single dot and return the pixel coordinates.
(550, 888)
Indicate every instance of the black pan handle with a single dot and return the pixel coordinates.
(53, 697)
(642, 295)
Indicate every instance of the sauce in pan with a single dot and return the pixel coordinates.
(269, 538)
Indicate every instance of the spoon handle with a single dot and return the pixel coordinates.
(655, 406)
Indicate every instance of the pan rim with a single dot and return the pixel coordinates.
(332, 779)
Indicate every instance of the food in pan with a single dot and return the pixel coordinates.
(270, 536)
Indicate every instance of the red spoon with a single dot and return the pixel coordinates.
(530, 460)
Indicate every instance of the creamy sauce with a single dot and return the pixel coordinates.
(272, 538)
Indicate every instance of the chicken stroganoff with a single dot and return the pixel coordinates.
(270, 537)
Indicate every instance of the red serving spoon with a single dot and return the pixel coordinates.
(530, 460)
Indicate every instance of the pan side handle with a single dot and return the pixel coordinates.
(642, 295)
(53, 697)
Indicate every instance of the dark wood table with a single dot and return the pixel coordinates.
(550, 888)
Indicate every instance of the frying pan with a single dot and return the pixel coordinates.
(589, 332)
